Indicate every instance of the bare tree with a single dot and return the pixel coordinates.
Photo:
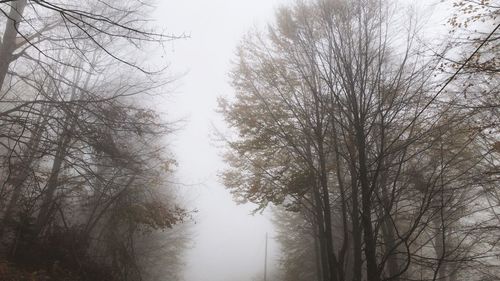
(84, 171)
(338, 95)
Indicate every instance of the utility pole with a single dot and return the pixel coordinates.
(265, 261)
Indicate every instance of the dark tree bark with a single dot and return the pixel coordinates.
(9, 38)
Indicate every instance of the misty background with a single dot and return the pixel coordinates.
(227, 241)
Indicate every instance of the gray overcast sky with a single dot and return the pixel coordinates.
(228, 242)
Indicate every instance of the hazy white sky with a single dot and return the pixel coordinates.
(228, 242)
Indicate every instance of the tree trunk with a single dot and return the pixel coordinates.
(440, 248)
(8, 45)
(317, 253)
(46, 208)
(356, 228)
(325, 265)
(390, 250)
(372, 271)
(387, 227)
(334, 266)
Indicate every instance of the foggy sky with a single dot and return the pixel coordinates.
(228, 242)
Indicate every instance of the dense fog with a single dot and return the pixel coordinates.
(265, 140)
